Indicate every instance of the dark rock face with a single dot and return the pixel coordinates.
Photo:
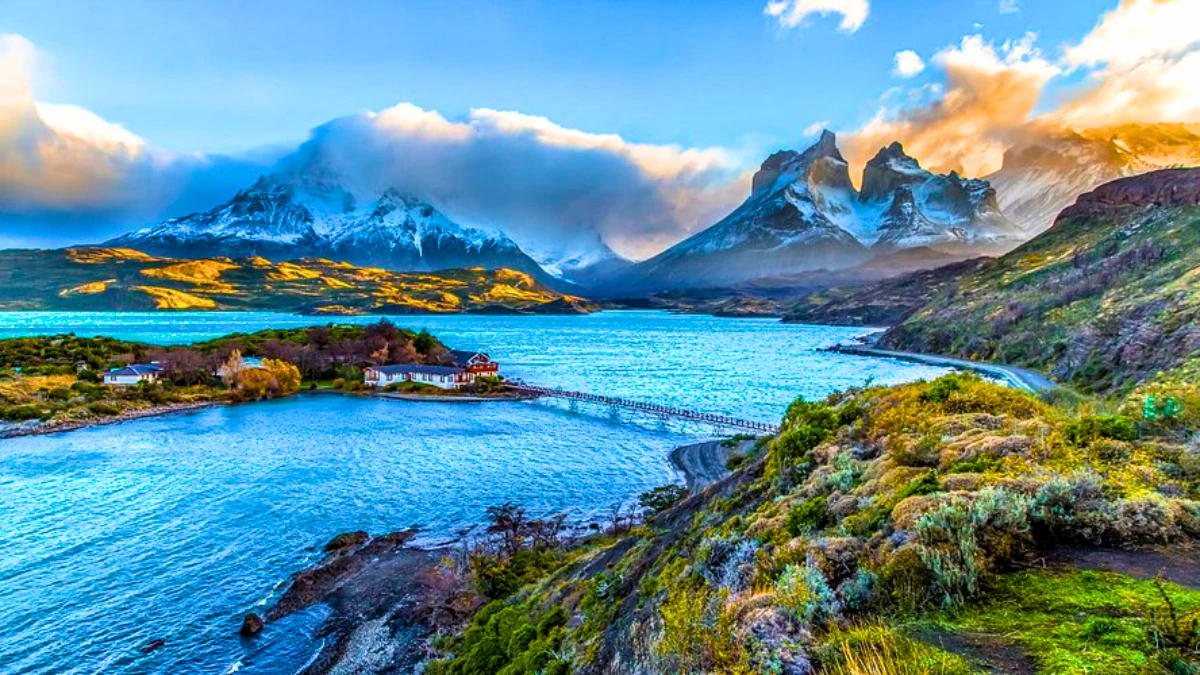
(887, 172)
(1167, 188)
(347, 540)
(252, 625)
(348, 555)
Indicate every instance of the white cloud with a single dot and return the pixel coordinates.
(539, 181)
(546, 185)
(1145, 56)
(816, 128)
(907, 64)
(791, 13)
(1140, 64)
(1138, 30)
(1010, 6)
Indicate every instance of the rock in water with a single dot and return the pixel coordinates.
(252, 625)
(347, 540)
(153, 645)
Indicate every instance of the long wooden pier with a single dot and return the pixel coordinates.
(652, 408)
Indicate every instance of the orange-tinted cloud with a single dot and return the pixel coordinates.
(1140, 63)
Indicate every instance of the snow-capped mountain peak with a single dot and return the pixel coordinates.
(310, 214)
(803, 213)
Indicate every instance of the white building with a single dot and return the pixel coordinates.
(444, 377)
(133, 374)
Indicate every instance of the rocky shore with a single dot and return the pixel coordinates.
(39, 429)
(372, 586)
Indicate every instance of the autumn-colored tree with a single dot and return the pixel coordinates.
(274, 378)
(287, 376)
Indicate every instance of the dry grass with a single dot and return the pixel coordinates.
(87, 289)
(91, 256)
(206, 273)
(876, 650)
(169, 298)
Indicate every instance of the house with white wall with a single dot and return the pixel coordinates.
(443, 377)
(133, 374)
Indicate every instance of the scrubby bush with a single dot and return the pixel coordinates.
(811, 514)
(697, 632)
(661, 498)
(103, 409)
(1088, 430)
(804, 593)
(965, 539)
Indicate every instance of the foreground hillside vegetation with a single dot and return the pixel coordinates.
(57, 382)
(886, 530)
(124, 279)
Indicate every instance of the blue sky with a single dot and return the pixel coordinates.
(635, 121)
(224, 77)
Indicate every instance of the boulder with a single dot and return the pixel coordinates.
(346, 540)
(252, 625)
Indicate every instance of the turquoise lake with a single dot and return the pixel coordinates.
(173, 527)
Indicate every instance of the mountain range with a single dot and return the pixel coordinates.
(285, 217)
(1044, 174)
(804, 213)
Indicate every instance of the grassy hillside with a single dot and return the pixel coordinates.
(885, 531)
(883, 303)
(124, 279)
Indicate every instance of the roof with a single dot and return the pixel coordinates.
(137, 369)
(402, 368)
(463, 357)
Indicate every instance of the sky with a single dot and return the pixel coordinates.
(116, 113)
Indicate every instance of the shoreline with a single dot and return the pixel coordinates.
(41, 429)
(129, 416)
(1027, 380)
(375, 586)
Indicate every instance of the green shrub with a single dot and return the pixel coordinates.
(103, 409)
(21, 413)
(662, 498)
(920, 453)
(966, 539)
(1087, 430)
(509, 640)
(811, 514)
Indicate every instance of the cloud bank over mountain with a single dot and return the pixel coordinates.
(67, 175)
(1139, 63)
(537, 180)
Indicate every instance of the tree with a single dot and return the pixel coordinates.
(232, 368)
(508, 521)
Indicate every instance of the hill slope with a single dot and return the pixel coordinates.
(124, 279)
(1105, 298)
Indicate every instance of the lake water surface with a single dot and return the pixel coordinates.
(173, 527)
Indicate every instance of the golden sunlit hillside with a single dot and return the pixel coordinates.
(124, 279)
